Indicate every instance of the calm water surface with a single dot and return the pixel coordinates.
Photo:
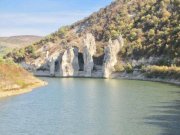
(93, 107)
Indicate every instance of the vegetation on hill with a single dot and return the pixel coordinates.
(18, 41)
(150, 28)
(14, 77)
(164, 72)
(7, 44)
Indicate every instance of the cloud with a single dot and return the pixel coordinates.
(45, 18)
(37, 24)
(20, 31)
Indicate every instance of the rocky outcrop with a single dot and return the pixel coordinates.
(52, 67)
(89, 50)
(50, 62)
(121, 41)
(69, 65)
(66, 63)
(110, 56)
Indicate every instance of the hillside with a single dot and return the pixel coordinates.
(15, 80)
(18, 41)
(9, 43)
(150, 29)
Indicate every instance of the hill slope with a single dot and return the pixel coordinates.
(150, 29)
(18, 41)
(15, 80)
(9, 43)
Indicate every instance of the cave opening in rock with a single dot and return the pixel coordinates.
(81, 62)
(57, 66)
(98, 60)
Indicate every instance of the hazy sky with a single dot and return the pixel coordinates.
(42, 17)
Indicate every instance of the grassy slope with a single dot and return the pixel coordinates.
(13, 77)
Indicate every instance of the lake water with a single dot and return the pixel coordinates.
(93, 107)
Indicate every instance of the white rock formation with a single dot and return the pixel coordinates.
(52, 67)
(49, 62)
(121, 41)
(69, 64)
(89, 50)
(47, 54)
(110, 56)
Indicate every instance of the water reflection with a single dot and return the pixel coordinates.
(167, 117)
(93, 107)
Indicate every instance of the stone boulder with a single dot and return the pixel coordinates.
(89, 50)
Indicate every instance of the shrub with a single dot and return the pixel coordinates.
(62, 31)
(30, 49)
(151, 33)
(128, 68)
(119, 67)
(132, 36)
(171, 72)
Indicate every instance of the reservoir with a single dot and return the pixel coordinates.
(75, 106)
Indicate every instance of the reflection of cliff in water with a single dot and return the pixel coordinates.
(168, 119)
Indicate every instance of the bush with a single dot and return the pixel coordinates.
(151, 33)
(132, 36)
(62, 31)
(128, 68)
(171, 72)
(119, 67)
(30, 49)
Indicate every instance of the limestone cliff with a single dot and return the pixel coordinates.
(69, 65)
(110, 56)
(52, 67)
(89, 50)
(67, 62)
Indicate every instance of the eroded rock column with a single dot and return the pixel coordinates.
(52, 67)
(69, 64)
(110, 56)
(89, 50)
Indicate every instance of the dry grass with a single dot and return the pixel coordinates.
(13, 76)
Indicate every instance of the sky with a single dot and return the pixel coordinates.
(42, 17)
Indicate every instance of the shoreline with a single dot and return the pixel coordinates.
(123, 76)
(172, 82)
(126, 76)
(29, 88)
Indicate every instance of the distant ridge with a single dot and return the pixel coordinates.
(18, 41)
